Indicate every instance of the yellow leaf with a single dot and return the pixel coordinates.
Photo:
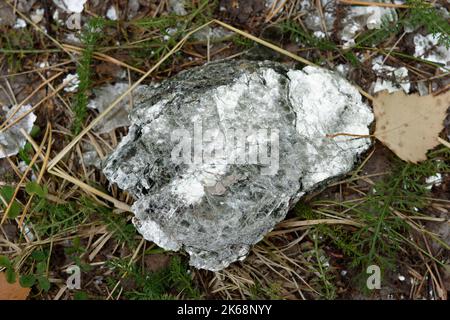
(13, 291)
(409, 125)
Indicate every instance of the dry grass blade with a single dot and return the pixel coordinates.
(265, 43)
(121, 97)
(104, 57)
(87, 188)
(23, 115)
(41, 172)
(17, 108)
(12, 4)
(30, 165)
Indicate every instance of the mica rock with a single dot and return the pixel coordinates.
(217, 155)
(11, 138)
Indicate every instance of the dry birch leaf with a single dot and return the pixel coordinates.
(13, 291)
(409, 125)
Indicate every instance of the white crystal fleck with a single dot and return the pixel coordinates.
(71, 6)
(11, 139)
(20, 24)
(427, 47)
(71, 82)
(111, 14)
(216, 208)
(434, 180)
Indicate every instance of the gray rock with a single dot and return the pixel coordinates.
(12, 139)
(263, 145)
(104, 97)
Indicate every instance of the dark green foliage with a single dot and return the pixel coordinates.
(297, 34)
(420, 14)
(89, 37)
(10, 274)
(424, 14)
(7, 193)
(171, 29)
(381, 235)
(38, 272)
(50, 218)
(123, 231)
(160, 285)
(15, 44)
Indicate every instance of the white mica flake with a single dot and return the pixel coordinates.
(104, 97)
(190, 190)
(178, 7)
(20, 24)
(318, 95)
(11, 139)
(399, 76)
(427, 47)
(71, 6)
(360, 17)
(71, 82)
(434, 180)
(56, 17)
(150, 230)
(72, 38)
(202, 199)
(22, 166)
(319, 34)
(37, 15)
(111, 14)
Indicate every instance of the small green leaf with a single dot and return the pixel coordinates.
(27, 281)
(43, 283)
(4, 262)
(41, 267)
(33, 187)
(80, 295)
(38, 256)
(15, 210)
(7, 193)
(155, 250)
(10, 275)
(35, 131)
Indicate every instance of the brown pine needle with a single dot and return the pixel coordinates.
(33, 160)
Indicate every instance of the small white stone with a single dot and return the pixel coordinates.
(427, 47)
(71, 6)
(399, 74)
(178, 7)
(111, 14)
(72, 38)
(20, 24)
(37, 16)
(319, 34)
(208, 204)
(12, 140)
(71, 81)
(434, 180)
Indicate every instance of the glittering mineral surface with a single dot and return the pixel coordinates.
(217, 155)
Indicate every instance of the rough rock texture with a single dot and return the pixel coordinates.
(11, 139)
(216, 207)
(118, 117)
